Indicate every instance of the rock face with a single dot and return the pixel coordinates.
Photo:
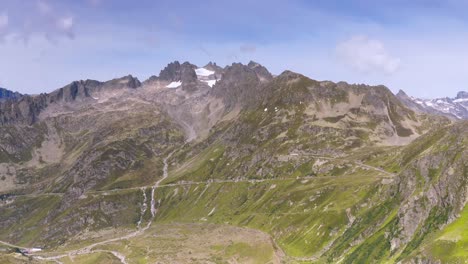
(332, 171)
(452, 107)
(433, 186)
(73, 91)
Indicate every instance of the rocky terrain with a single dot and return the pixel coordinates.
(289, 169)
(451, 107)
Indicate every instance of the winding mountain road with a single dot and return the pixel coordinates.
(359, 164)
(165, 173)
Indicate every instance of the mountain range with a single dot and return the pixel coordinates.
(231, 165)
(452, 107)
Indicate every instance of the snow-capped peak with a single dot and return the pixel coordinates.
(455, 107)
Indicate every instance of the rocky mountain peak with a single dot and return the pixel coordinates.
(260, 70)
(124, 82)
(7, 94)
(253, 64)
(402, 93)
(133, 82)
(287, 74)
(212, 66)
(72, 91)
(238, 85)
(175, 71)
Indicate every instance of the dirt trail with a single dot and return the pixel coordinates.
(11, 245)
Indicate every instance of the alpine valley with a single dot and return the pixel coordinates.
(231, 165)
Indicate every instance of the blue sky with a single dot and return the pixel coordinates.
(418, 46)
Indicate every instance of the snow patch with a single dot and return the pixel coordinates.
(461, 100)
(203, 72)
(210, 82)
(174, 84)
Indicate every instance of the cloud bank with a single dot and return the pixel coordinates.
(44, 18)
(367, 55)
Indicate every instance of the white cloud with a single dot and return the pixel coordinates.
(367, 55)
(3, 20)
(48, 20)
(65, 23)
